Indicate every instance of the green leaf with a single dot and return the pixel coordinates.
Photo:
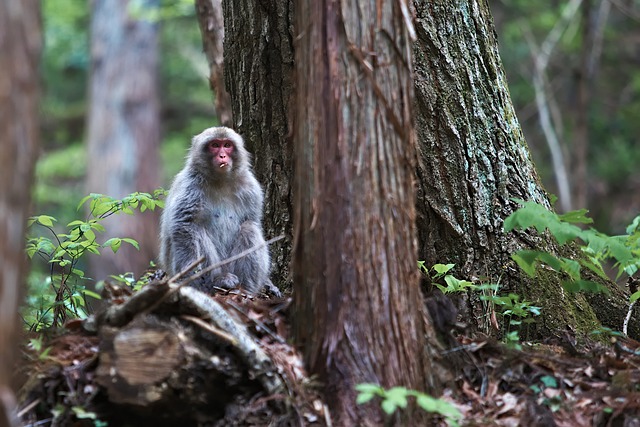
(576, 217)
(594, 265)
(633, 227)
(132, 242)
(97, 226)
(549, 381)
(46, 220)
(91, 294)
(584, 286)
(388, 406)
(563, 232)
(441, 269)
(634, 296)
(114, 243)
(571, 267)
(370, 388)
(426, 402)
(527, 260)
(364, 398)
(83, 201)
(551, 261)
(398, 395)
(422, 267)
(439, 406)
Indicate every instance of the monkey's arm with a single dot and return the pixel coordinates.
(181, 232)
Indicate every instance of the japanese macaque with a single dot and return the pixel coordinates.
(214, 209)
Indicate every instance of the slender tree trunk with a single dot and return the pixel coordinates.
(583, 79)
(472, 161)
(124, 124)
(20, 43)
(358, 310)
(258, 63)
(211, 22)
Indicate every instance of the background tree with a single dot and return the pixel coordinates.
(124, 123)
(20, 43)
(358, 309)
(211, 24)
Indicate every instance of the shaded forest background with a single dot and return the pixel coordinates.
(573, 62)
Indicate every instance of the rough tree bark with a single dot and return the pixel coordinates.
(358, 310)
(124, 125)
(473, 159)
(210, 19)
(20, 43)
(258, 64)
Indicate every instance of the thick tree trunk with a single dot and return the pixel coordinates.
(473, 159)
(124, 125)
(258, 65)
(358, 309)
(20, 43)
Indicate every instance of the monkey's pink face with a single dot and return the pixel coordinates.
(221, 151)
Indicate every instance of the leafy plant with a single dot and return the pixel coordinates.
(509, 306)
(439, 271)
(596, 247)
(398, 397)
(67, 295)
(515, 311)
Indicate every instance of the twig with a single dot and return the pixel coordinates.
(257, 322)
(209, 327)
(186, 270)
(230, 260)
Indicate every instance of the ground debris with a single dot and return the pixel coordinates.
(170, 355)
(545, 385)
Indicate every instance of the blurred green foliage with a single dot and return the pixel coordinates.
(186, 100)
(614, 92)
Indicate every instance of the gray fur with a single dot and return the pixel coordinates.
(216, 215)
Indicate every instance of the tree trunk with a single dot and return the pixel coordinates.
(472, 160)
(124, 125)
(358, 310)
(211, 22)
(583, 79)
(20, 43)
(258, 65)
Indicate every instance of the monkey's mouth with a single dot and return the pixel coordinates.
(223, 165)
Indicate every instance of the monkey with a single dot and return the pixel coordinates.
(214, 209)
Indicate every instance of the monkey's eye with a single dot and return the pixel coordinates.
(227, 144)
(214, 145)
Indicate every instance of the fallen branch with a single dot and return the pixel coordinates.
(244, 344)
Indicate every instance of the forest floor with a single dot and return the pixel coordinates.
(169, 357)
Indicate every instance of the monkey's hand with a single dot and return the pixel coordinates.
(226, 281)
